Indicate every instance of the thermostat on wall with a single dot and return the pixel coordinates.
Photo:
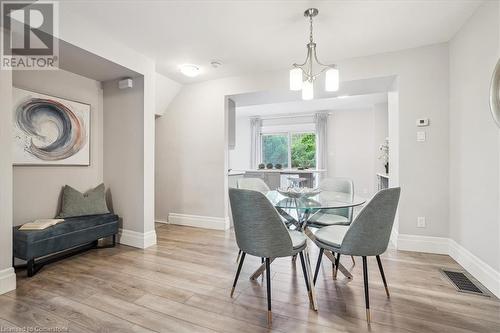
(423, 122)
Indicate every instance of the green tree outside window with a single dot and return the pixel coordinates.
(303, 150)
(275, 149)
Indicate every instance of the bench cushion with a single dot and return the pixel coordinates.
(72, 232)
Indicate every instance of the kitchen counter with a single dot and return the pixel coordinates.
(273, 177)
(290, 171)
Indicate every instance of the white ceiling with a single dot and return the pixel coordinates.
(82, 62)
(324, 104)
(252, 35)
(347, 88)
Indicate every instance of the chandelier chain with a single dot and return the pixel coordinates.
(310, 29)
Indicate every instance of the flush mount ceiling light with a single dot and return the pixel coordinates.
(216, 63)
(302, 76)
(190, 70)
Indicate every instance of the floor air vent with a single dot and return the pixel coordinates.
(464, 282)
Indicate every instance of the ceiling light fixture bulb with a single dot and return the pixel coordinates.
(190, 70)
(307, 90)
(296, 79)
(332, 79)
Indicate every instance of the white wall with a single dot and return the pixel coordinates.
(7, 275)
(166, 89)
(380, 133)
(474, 138)
(123, 165)
(239, 157)
(352, 151)
(192, 132)
(37, 188)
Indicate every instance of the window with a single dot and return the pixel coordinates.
(303, 150)
(291, 149)
(275, 149)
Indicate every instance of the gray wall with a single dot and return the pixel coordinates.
(474, 138)
(124, 151)
(37, 188)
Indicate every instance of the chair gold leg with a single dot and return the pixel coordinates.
(269, 318)
(368, 316)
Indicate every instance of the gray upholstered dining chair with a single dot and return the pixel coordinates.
(337, 216)
(255, 184)
(368, 235)
(260, 232)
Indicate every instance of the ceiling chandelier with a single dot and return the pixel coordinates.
(302, 76)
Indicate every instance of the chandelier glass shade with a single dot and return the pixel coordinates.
(302, 76)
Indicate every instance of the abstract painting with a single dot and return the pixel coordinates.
(50, 130)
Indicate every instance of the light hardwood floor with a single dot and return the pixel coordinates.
(183, 284)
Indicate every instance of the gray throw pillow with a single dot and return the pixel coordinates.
(75, 203)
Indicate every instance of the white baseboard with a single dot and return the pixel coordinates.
(393, 240)
(207, 222)
(7, 280)
(137, 239)
(485, 274)
(161, 221)
(427, 244)
(480, 270)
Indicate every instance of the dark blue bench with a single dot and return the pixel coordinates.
(74, 235)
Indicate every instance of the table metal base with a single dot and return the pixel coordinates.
(312, 291)
(330, 256)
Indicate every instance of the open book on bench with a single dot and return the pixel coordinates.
(40, 224)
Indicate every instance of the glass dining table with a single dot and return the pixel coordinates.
(297, 213)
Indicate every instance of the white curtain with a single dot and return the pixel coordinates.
(321, 123)
(255, 131)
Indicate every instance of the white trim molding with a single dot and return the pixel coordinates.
(427, 244)
(137, 239)
(161, 221)
(393, 240)
(485, 274)
(7, 280)
(206, 222)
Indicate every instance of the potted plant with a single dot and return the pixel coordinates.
(384, 154)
